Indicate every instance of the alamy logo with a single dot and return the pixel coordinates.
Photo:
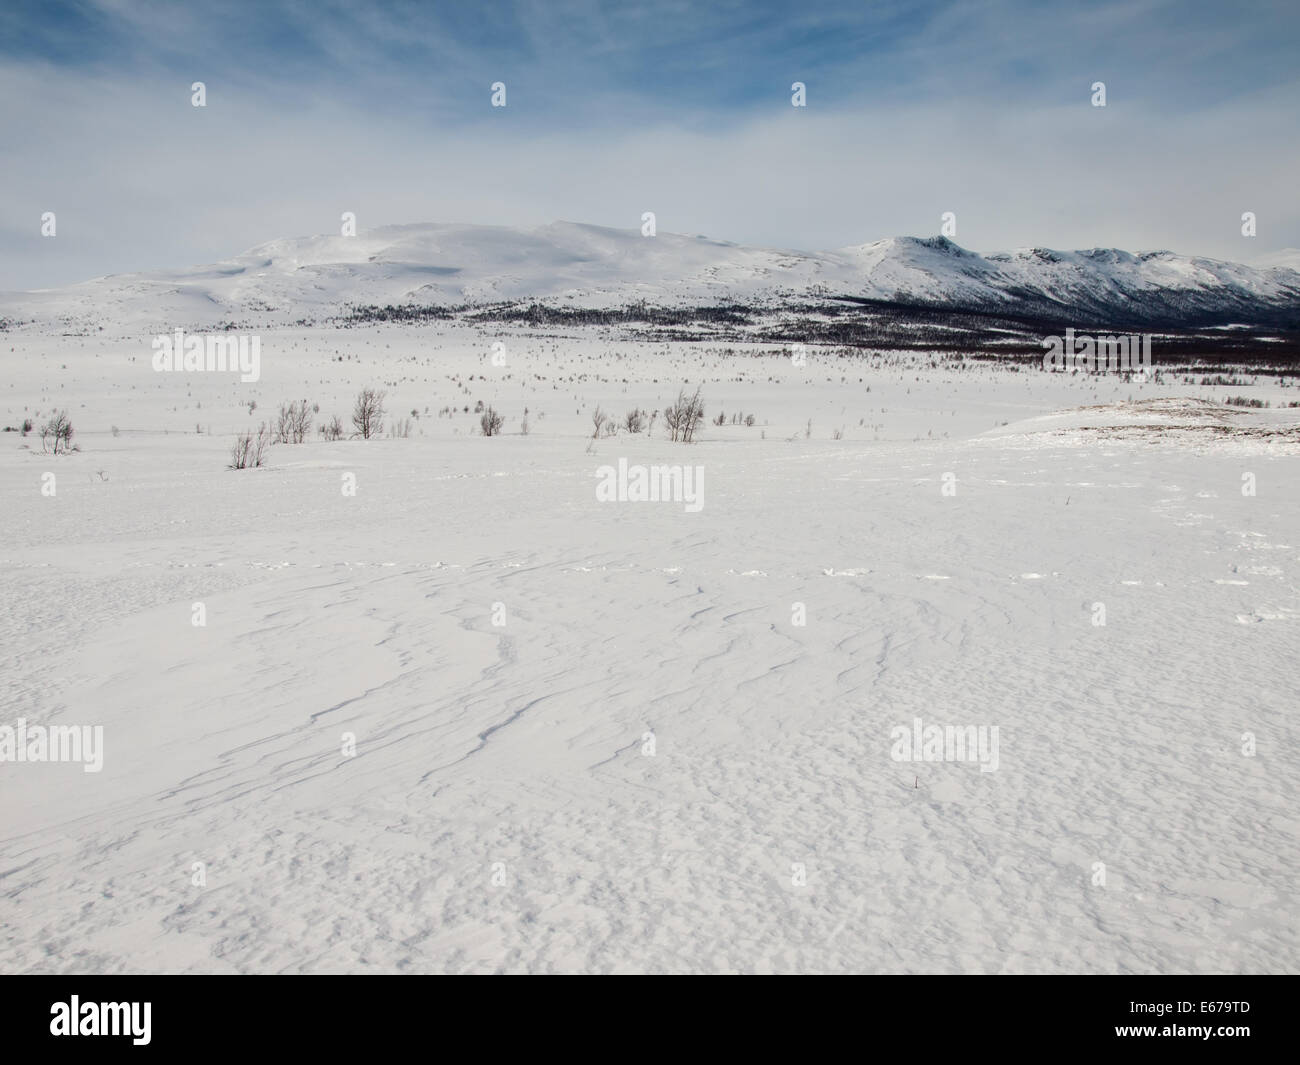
(946, 743)
(1129, 353)
(209, 353)
(56, 743)
(652, 484)
(102, 1018)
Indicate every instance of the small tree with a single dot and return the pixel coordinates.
(694, 418)
(57, 433)
(491, 422)
(672, 419)
(300, 416)
(634, 421)
(368, 413)
(250, 448)
(293, 423)
(684, 416)
(332, 429)
(598, 419)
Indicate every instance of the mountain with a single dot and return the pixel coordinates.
(1288, 257)
(596, 267)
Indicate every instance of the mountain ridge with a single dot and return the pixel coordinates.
(584, 265)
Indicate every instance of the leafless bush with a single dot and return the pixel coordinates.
(57, 433)
(598, 419)
(491, 422)
(293, 423)
(250, 448)
(332, 429)
(684, 416)
(634, 421)
(400, 429)
(368, 413)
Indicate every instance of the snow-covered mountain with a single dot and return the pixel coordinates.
(594, 266)
(1287, 257)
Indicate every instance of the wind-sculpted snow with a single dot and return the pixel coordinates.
(593, 736)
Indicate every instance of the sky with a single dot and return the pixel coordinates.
(384, 109)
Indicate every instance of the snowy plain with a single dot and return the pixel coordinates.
(502, 812)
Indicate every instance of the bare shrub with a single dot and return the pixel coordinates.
(598, 419)
(400, 429)
(250, 448)
(634, 421)
(673, 419)
(332, 429)
(57, 433)
(491, 422)
(293, 423)
(368, 413)
(684, 416)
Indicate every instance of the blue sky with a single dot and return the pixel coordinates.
(613, 109)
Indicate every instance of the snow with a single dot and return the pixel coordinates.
(594, 266)
(501, 812)
(1286, 258)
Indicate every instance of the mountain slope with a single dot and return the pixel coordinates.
(594, 266)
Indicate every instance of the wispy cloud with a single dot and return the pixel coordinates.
(684, 109)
